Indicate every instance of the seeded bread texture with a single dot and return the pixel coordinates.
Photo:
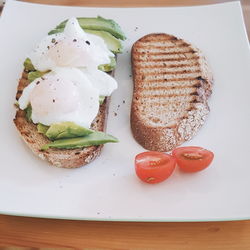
(65, 158)
(172, 84)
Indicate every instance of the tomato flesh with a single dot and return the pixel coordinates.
(192, 159)
(154, 167)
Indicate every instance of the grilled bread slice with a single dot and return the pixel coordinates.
(66, 158)
(172, 84)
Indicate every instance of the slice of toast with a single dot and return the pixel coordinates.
(172, 84)
(66, 158)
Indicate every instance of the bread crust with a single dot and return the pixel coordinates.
(64, 158)
(156, 134)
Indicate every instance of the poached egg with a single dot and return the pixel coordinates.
(71, 90)
(71, 48)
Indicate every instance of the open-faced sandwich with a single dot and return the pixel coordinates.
(63, 95)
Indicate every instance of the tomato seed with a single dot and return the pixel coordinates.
(192, 156)
(152, 163)
(149, 179)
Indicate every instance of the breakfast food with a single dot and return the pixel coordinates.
(155, 167)
(63, 95)
(192, 159)
(172, 84)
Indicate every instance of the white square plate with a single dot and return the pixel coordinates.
(107, 189)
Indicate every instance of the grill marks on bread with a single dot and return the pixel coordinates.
(172, 83)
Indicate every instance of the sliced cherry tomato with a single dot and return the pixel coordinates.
(154, 167)
(192, 159)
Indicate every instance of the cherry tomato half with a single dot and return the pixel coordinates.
(154, 167)
(192, 159)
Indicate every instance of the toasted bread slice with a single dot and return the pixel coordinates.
(66, 158)
(172, 83)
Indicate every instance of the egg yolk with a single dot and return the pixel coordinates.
(54, 96)
(74, 52)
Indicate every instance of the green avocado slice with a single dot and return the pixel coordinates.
(113, 43)
(33, 75)
(28, 113)
(41, 128)
(96, 23)
(101, 99)
(108, 67)
(28, 66)
(56, 30)
(93, 139)
(66, 130)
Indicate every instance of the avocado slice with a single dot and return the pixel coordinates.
(32, 75)
(96, 23)
(66, 130)
(28, 66)
(35, 74)
(108, 67)
(101, 99)
(113, 43)
(95, 138)
(28, 112)
(42, 129)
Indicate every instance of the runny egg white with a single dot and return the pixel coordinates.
(71, 48)
(105, 83)
(71, 90)
(55, 98)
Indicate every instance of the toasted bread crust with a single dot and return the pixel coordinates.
(65, 158)
(172, 83)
